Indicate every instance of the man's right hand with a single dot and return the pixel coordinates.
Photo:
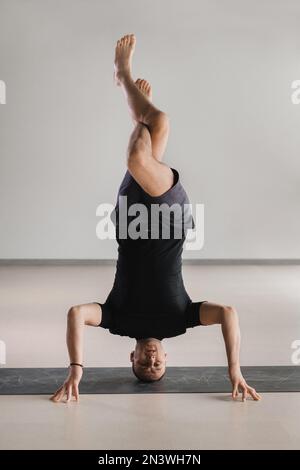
(69, 387)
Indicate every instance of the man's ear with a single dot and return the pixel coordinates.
(131, 356)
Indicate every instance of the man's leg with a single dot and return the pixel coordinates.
(226, 316)
(154, 177)
(159, 131)
(140, 106)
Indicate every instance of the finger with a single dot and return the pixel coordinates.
(60, 394)
(235, 391)
(256, 396)
(244, 393)
(69, 393)
(76, 392)
(253, 392)
(55, 393)
(59, 390)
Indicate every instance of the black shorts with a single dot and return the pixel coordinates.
(193, 316)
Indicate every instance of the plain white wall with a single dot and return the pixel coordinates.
(222, 70)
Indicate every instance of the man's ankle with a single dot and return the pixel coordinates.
(123, 75)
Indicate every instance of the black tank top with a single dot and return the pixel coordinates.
(148, 297)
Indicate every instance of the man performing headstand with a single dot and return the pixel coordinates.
(148, 300)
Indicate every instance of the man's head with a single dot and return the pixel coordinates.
(148, 360)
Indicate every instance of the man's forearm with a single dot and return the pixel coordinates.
(231, 334)
(75, 328)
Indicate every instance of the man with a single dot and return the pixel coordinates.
(148, 300)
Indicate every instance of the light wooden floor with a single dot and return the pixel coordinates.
(183, 421)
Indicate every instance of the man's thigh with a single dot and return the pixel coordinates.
(154, 177)
(210, 313)
(92, 313)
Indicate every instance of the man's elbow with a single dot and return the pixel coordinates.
(75, 314)
(228, 313)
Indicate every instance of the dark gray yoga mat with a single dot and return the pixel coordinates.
(27, 381)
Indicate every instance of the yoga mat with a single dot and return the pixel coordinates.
(36, 381)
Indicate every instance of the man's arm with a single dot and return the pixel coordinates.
(227, 317)
(78, 317)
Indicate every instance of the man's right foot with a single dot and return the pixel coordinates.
(144, 87)
(123, 55)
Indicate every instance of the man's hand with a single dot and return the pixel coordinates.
(69, 387)
(239, 384)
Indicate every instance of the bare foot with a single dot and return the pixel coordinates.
(123, 55)
(144, 87)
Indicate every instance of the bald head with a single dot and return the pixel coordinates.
(148, 360)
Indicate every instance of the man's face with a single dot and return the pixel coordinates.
(149, 359)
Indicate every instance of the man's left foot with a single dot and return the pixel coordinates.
(123, 56)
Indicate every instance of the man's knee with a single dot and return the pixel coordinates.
(160, 121)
